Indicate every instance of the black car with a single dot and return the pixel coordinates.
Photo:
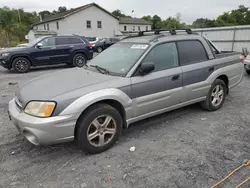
(72, 50)
(104, 43)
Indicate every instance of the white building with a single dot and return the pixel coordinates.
(134, 24)
(89, 20)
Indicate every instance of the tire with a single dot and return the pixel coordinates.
(99, 49)
(79, 60)
(88, 135)
(21, 65)
(219, 89)
(248, 72)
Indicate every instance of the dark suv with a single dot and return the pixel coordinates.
(72, 50)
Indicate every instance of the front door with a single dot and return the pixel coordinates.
(162, 88)
(43, 54)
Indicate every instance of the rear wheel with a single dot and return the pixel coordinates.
(98, 129)
(99, 49)
(216, 96)
(248, 71)
(79, 60)
(21, 65)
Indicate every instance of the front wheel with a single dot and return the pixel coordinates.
(21, 65)
(216, 96)
(79, 60)
(98, 129)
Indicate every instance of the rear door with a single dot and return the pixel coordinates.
(161, 88)
(196, 68)
(63, 49)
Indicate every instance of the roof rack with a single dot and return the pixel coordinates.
(159, 31)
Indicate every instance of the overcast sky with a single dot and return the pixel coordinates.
(189, 9)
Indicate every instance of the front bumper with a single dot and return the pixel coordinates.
(5, 62)
(42, 131)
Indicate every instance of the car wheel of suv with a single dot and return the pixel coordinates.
(99, 49)
(21, 65)
(248, 71)
(79, 60)
(216, 96)
(99, 128)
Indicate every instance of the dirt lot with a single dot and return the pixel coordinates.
(185, 148)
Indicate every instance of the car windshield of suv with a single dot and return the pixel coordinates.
(119, 58)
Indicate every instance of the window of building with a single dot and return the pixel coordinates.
(139, 28)
(88, 24)
(62, 41)
(164, 56)
(191, 52)
(99, 24)
(146, 28)
(133, 28)
(75, 40)
(48, 27)
(125, 28)
(57, 25)
(44, 26)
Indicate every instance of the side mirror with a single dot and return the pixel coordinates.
(147, 68)
(39, 45)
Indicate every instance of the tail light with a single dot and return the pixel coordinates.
(242, 59)
(90, 46)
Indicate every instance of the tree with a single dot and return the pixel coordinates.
(45, 13)
(62, 9)
(203, 23)
(147, 18)
(119, 14)
(157, 22)
(172, 23)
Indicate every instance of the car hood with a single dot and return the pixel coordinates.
(49, 86)
(15, 49)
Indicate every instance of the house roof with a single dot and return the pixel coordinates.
(125, 20)
(70, 12)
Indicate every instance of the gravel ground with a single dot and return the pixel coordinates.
(185, 148)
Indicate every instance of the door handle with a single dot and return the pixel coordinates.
(211, 69)
(52, 48)
(72, 46)
(176, 77)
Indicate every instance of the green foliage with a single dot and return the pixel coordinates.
(119, 14)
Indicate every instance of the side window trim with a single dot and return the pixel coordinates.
(61, 44)
(50, 45)
(83, 42)
(192, 62)
(145, 55)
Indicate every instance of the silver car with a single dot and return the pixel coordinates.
(134, 79)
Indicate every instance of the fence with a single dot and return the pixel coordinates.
(228, 38)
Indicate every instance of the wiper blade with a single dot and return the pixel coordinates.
(100, 69)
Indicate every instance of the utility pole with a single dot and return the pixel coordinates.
(19, 17)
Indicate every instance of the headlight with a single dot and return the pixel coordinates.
(40, 109)
(5, 54)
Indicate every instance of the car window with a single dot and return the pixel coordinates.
(164, 56)
(76, 41)
(62, 41)
(48, 42)
(191, 52)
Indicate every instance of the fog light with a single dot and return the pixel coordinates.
(30, 137)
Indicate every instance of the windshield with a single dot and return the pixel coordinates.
(32, 43)
(119, 58)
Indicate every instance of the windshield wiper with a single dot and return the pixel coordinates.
(100, 69)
